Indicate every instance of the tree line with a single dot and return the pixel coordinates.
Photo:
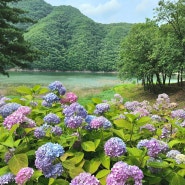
(155, 50)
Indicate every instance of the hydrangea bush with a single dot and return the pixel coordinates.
(48, 138)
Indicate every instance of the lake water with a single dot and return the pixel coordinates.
(68, 79)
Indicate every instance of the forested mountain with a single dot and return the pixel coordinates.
(68, 40)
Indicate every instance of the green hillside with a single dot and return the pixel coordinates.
(70, 41)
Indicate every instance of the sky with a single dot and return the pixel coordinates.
(112, 11)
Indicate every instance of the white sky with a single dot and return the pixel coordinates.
(112, 11)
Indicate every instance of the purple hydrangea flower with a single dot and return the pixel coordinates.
(100, 122)
(45, 155)
(7, 178)
(9, 155)
(101, 108)
(53, 171)
(46, 104)
(73, 121)
(8, 109)
(56, 130)
(141, 111)
(51, 98)
(132, 105)
(24, 175)
(155, 147)
(85, 178)
(41, 131)
(52, 119)
(121, 172)
(3, 100)
(180, 114)
(149, 127)
(57, 86)
(114, 147)
(75, 109)
(89, 118)
(172, 154)
(142, 143)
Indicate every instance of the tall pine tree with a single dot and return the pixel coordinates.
(14, 50)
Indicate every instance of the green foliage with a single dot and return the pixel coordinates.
(14, 50)
(69, 41)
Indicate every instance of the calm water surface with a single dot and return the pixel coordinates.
(69, 80)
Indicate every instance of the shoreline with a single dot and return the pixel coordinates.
(57, 71)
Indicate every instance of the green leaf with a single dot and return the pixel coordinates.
(118, 133)
(60, 182)
(24, 90)
(36, 88)
(9, 142)
(181, 172)
(97, 142)
(88, 146)
(92, 165)
(135, 152)
(4, 170)
(78, 157)
(161, 164)
(131, 117)
(177, 180)
(105, 160)
(175, 142)
(121, 123)
(102, 173)
(75, 171)
(143, 120)
(17, 162)
(97, 100)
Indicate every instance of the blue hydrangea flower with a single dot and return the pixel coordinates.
(57, 86)
(115, 147)
(46, 154)
(7, 178)
(85, 178)
(101, 108)
(142, 143)
(51, 98)
(8, 109)
(53, 171)
(52, 119)
(172, 154)
(40, 132)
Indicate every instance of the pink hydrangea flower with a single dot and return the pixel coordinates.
(23, 175)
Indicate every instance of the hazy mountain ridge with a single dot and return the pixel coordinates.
(70, 40)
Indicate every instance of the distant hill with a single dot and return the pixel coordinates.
(69, 40)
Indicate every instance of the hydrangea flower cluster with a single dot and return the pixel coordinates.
(172, 154)
(131, 105)
(115, 147)
(122, 172)
(51, 119)
(141, 111)
(7, 178)
(24, 175)
(9, 154)
(45, 156)
(180, 159)
(70, 97)
(3, 100)
(8, 109)
(57, 86)
(97, 122)
(118, 98)
(162, 102)
(85, 178)
(155, 117)
(101, 108)
(74, 115)
(19, 116)
(49, 99)
(153, 146)
(41, 131)
(167, 131)
(149, 127)
(179, 114)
